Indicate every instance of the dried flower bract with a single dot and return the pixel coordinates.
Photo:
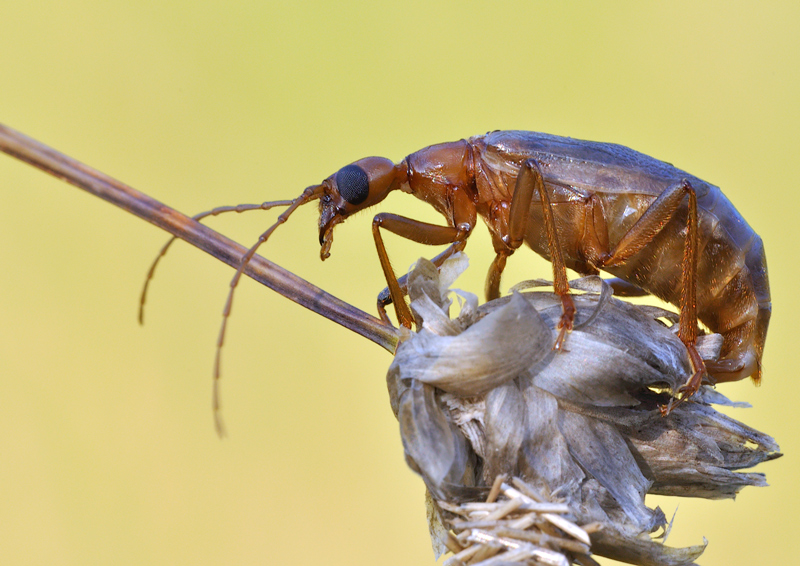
(537, 457)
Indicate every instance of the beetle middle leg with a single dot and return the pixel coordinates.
(530, 180)
(624, 288)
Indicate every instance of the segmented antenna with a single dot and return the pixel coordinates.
(198, 217)
(311, 193)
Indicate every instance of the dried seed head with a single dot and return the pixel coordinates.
(482, 396)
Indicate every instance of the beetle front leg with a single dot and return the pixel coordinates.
(416, 231)
(385, 297)
(530, 180)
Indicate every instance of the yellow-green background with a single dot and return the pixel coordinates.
(107, 448)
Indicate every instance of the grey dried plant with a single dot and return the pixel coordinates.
(532, 456)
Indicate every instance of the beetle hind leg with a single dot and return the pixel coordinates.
(692, 385)
(642, 233)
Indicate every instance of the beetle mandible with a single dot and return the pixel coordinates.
(584, 205)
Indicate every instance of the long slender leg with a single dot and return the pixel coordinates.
(492, 287)
(417, 231)
(688, 316)
(640, 234)
(530, 180)
(385, 298)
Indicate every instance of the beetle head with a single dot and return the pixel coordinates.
(355, 187)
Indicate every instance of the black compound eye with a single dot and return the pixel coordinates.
(353, 184)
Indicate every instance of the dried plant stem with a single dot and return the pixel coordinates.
(265, 272)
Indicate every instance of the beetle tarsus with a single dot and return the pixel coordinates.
(692, 385)
(566, 323)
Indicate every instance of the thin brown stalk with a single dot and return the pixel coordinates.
(265, 272)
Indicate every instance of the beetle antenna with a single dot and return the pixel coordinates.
(216, 211)
(311, 193)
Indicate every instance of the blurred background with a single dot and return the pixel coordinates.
(109, 454)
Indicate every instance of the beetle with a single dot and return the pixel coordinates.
(583, 205)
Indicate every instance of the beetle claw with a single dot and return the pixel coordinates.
(564, 328)
(566, 323)
(686, 391)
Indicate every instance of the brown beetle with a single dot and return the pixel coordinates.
(584, 205)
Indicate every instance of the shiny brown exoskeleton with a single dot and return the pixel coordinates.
(584, 205)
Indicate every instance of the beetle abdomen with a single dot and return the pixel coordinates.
(733, 296)
(733, 287)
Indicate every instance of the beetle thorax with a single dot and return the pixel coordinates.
(435, 171)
